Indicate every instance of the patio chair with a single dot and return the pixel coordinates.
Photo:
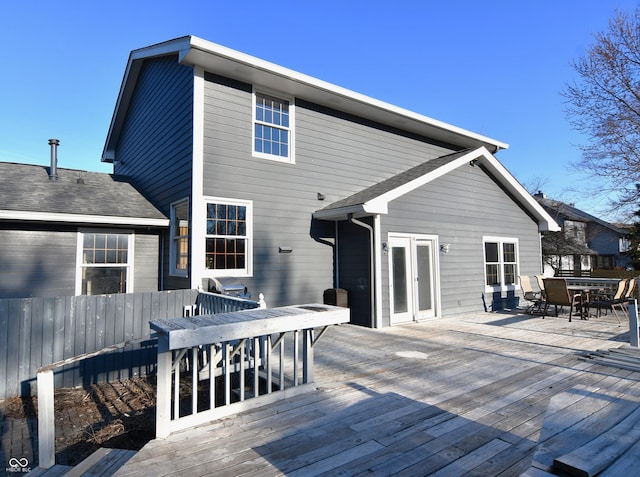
(628, 296)
(533, 297)
(610, 302)
(557, 294)
(540, 280)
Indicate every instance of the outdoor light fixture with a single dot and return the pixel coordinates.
(444, 248)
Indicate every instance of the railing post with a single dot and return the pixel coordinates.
(633, 323)
(163, 394)
(307, 356)
(46, 420)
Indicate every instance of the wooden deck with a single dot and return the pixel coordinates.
(463, 396)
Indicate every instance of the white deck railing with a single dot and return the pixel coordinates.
(210, 366)
(212, 303)
(606, 283)
(206, 303)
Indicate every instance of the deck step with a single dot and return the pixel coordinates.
(102, 463)
(592, 458)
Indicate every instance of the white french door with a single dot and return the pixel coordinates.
(412, 278)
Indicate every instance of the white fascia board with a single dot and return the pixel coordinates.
(425, 179)
(546, 223)
(484, 157)
(340, 213)
(81, 219)
(225, 61)
(254, 70)
(129, 81)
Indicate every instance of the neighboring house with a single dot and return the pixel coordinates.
(67, 232)
(292, 186)
(585, 242)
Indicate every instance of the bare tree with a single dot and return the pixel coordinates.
(604, 104)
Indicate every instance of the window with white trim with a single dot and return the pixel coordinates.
(272, 127)
(105, 262)
(228, 247)
(179, 248)
(500, 262)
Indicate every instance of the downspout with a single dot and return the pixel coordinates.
(371, 265)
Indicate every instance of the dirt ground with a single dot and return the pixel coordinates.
(119, 415)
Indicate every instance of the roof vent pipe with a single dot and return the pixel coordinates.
(53, 170)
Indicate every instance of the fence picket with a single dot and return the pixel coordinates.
(35, 332)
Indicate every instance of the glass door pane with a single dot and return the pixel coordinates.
(425, 298)
(399, 264)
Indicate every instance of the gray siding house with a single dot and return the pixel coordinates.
(586, 242)
(71, 232)
(292, 186)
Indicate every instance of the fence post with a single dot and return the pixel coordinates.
(633, 323)
(46, 420)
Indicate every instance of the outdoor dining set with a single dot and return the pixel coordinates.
(584, 299)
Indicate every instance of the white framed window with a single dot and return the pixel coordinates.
(104, 262)
(501, 263)
(179, 247)
(228, 237)
(273, 127)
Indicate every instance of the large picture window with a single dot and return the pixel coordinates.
(105, 260)
(228, 242)
(501, 262)
(179, 252)
(272, 128)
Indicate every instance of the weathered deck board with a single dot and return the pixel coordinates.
(601, 452)
(463, 396)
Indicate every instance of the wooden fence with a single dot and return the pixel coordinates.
(35, 332)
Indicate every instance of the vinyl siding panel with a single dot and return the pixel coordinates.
(155, 148)
(37, 262)
(460, 208)
(334, 155)
(41, 262)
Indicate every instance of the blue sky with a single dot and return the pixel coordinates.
(493, 67)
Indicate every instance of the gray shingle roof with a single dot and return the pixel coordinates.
(566, 211)
(27, 188)
(396, 181)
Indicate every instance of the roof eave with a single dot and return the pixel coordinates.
(379, 204)
(246, 68)
(29, 216)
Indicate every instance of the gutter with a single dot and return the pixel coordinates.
(371, 265)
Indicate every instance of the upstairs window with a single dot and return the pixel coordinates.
(501, 262)
(272, 128)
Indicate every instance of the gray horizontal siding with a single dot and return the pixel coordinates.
(334, 155)
(155, 148)
(42, 263)
(37, 263)
(460, 208)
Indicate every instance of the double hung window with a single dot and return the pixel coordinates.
(105, 263)
(179, 251)
(228, 237)
(272, 127)
(501, 262)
